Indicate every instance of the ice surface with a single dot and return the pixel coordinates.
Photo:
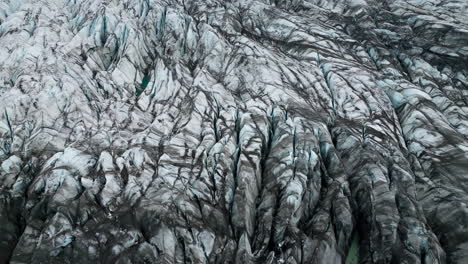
(233, 131)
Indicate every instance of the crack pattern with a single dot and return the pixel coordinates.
(244, 131)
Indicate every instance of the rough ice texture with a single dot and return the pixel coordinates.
(244, 131)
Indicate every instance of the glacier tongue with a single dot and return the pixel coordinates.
(245, 131)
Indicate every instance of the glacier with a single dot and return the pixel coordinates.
(233, 131)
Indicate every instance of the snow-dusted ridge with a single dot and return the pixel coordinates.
(243, 131)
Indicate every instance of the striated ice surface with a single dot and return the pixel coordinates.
(243, 131)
